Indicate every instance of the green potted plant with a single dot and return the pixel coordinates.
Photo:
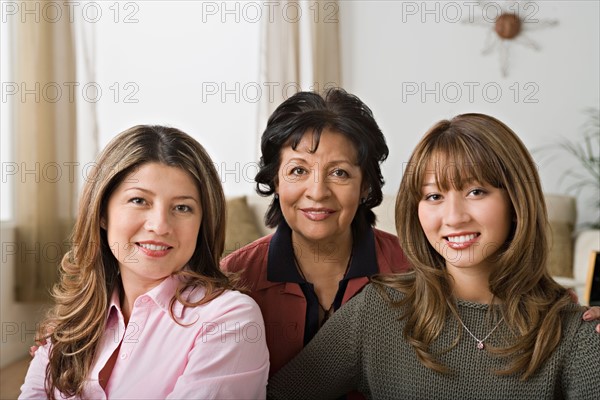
(582, 181)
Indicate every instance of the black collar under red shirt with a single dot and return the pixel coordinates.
(281, 267)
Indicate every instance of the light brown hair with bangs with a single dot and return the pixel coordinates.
(477, 147)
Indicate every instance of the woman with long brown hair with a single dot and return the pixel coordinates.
(142, 309)
(479, 317)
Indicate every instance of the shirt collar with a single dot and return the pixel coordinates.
(164, 292)
(114, 302)
(281, 266)
(161, 295)
(364, 256)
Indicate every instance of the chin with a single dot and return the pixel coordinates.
(318, 236)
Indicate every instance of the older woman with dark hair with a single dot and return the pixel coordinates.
(321, 160)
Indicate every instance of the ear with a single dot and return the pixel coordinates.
(103, 223)
(364, 194)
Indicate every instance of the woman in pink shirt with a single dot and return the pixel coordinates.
(142, 309)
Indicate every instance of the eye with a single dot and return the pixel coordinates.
(433, 197)
(339, 173)
(137, 200)
(298, 171)
(477, 192)
(183, 208)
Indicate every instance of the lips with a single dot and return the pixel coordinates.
(461, 241)
(154, 249)
(317, 214)
(153, 246)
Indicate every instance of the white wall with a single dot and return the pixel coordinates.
(391, 47)
(188, 64)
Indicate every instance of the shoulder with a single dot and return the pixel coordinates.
(369, 312)
(34, 383)
(581, 344)
(229, 303)
(386, 237)
(247, 256)
(387, 244)
(230, 299)
(384, 293)
(374, 296)
(390, 256)
(227, 299)
(578, 330)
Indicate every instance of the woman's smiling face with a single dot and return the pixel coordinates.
(319, 191)
(465, 226)
(152, 222)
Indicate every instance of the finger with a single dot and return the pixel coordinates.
(591, 314)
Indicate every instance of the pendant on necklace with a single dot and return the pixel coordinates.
(480, 344)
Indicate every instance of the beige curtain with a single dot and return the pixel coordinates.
(300, 50)
(44, 138)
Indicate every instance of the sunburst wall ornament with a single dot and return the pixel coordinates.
(510, 22)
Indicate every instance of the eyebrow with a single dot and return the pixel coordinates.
(182, 197)
(332, 162)
(468, 181)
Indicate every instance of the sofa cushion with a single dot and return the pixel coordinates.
(560, 257)
(562, 216)
(241, 227)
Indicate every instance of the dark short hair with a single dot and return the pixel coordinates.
(338, 111)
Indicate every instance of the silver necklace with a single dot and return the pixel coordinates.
(480, 344)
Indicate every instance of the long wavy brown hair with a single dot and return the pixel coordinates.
(89, 272)
(480, 147)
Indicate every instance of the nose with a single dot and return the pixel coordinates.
(158, 221)
(455, 210)
(317, 187)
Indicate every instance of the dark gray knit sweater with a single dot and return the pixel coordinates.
(362, 347)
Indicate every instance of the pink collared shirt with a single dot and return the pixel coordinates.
(218, 351)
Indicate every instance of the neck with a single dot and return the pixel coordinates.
(130, 291)
(324, 259)
(471, 285)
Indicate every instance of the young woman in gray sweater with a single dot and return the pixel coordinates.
(479, 317)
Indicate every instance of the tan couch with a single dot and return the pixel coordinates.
(568, 257)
